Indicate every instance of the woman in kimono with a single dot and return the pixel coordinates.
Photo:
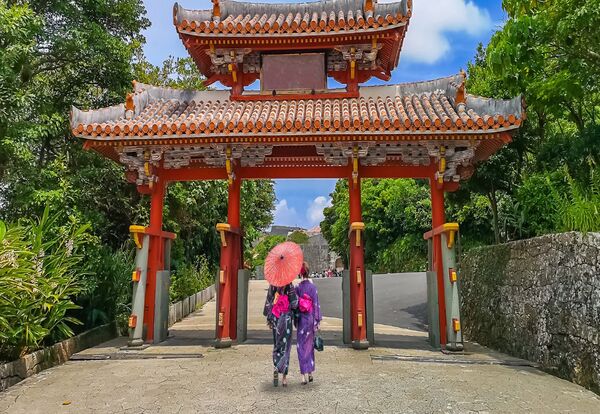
(309, 318)
(279, 308)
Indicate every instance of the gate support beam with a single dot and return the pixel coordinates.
(357, 266)
(438, 218)
(155, 255)
(230, 263)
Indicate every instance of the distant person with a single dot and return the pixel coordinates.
(309, 318)
(279, 307)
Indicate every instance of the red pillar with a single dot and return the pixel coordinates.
(233, 219)
(155, 255)
(230, 263)
(438, 218)
(357, 264)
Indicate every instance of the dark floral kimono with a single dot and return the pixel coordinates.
(282, 326)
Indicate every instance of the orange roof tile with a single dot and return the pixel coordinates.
(406, 109)
(236, 18)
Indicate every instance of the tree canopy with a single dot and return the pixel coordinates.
(58, 54)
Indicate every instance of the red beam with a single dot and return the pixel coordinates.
(193, 174)
(295, 96)
(397, 171)
(311, 43)
(293, 172)
(299, 171)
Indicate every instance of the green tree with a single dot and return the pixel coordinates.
(298, 237)
(259, 252)
(69, 53)
(19, 26)
(550, 51)
(59, 53)
(55, 54)
(180, 73)
(396, 214)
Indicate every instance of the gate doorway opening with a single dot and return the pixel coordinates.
(400, 308)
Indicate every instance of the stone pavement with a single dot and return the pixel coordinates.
(401, 375)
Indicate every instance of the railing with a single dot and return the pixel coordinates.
(180, 309)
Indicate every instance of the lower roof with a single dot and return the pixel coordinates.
(414, 111)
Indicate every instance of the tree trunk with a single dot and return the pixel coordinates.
(495, 223)
(43, 155)
(576, 117)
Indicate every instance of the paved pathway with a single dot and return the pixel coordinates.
(406, 376)
(400, 299)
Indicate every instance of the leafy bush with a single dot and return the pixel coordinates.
(579, 208)
(106, 294)
(537, 203)
(189, 279)
(39, 265)
(298, 237)
(260, 251)
(406, 254)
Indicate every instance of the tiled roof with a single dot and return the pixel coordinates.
(319, 16)
(438, 106)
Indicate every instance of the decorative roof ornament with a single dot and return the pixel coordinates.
(460, 90)
(129, 106)
(216, 11)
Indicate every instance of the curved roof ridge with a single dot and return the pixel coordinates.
(236, 8)
(504, 107)
(444, 84)
(96, 116)
(231, 7)
(187, 95)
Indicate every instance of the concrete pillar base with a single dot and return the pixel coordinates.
(135, 346)
(135, 343)
(360, 344)
(223, 343)
(454, 347)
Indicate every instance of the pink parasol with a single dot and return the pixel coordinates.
(283, 263)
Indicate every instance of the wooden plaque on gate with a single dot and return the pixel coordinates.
(293, 73)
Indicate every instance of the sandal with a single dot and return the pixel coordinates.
(275, 378)
(284, 382)
(310, 378)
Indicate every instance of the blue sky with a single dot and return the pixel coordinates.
(441, 39)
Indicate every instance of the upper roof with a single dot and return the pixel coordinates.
(439, 106)
(237, 18)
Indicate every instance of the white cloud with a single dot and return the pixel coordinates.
(285, 215)
(314, 213)
(427, 40)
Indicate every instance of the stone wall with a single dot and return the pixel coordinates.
(538, 299)
(317, 254)
(30, 364)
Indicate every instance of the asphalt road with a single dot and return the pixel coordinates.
(400, 299)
